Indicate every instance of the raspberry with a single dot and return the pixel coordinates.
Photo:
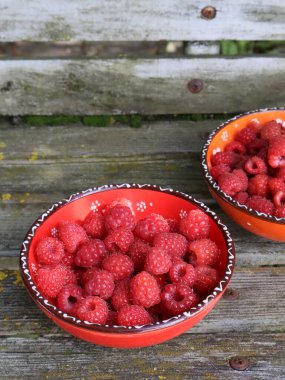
(275, 185)
(281, 173)
(255, 165)
(181, 272)
(279, 198)
(217, 170)
(280, 211)
(144, 290)
(256, 147)
(94, 225)
(276, 152)
(121, 266)
(133, 315)
(137, 252)
(122, 202)
(247, 134)
(242, 176)
(70, 276)
(241, 197)
(157, 261)
(178, 298)
(90, 254)
(230, 184)
(162, 280)
(120, 295)
(68, 259)
(228, 158)
(87, 275)
(69, 296)
(236, 147)
(112, 318)
(119, 216)
(174, 244)
(206, 279)
(204, 252)
(260, 204)
(150, 226)
(270, 130)
(72, 235)
(195, 225)
(50, 279)
(49, 251)
(258, 185)
(93, 310)
(173, 225)
(100, 284)
(119, 240)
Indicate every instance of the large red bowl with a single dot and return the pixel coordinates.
(256, 222)
(145, 199)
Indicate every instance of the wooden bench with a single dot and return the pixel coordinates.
(44, 163)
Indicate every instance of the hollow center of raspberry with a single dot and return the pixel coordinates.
(72, 300)
(178, 297)
(181, 272)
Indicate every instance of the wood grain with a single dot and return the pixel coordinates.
(140, 20)
(144, 86)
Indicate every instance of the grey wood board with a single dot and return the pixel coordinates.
(144, 86)
(140, 20)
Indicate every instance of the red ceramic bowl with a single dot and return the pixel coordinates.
(256, 222)
(145, 199)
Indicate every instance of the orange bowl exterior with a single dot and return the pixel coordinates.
(146, 199)
(260, 224)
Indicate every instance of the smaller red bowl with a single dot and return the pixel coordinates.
(256, 222)
(145, 200)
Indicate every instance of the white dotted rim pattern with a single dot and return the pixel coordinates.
(214, 184)
(36, 295)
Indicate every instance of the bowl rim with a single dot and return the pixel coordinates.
(213, 184)
(55, 312)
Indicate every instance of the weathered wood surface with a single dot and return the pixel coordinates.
(40, 165)
(145, 86)
(139, 20)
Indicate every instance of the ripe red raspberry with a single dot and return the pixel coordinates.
(281, 173)
(228, 158)
(121, 266)
(255, 165)
(174, 244)
(177, 298)
(90, 254)
(217, 170)
(206, 279)
(87, 275)
(275, 185)
(150, 226)
(279, 198)
(51, 279)
(137, 252)
(242, 176)
(181, 272)
(173, 225)
(230, 184)
(258, 185)
(49, 251)
(119, 240)
(204, 252)
(94, 225)
(270, 130)
(72, 235)
(144, 290)
(241, 197)
(71, 277)
(119, 216)
(247, 134)
(260, 204)
(276, 152)
(120, 201)
(133, 315)
(258, 147)
(236, 147)
(68, 259)
(158, 261)
(120, 295)
(68, 298)
(93, 310)
(100, 284)
(195, 225)
(280, 211)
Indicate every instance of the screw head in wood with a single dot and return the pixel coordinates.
(209, 12)
(239, 363)
(195, 86)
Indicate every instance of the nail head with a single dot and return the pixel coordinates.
(209, 12)
(239, 363)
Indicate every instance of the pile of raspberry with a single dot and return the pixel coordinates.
(112, 269)
(251, 169)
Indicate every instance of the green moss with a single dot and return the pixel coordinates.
(98, 121)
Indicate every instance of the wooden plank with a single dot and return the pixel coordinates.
(150, 86)
(140, 20)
